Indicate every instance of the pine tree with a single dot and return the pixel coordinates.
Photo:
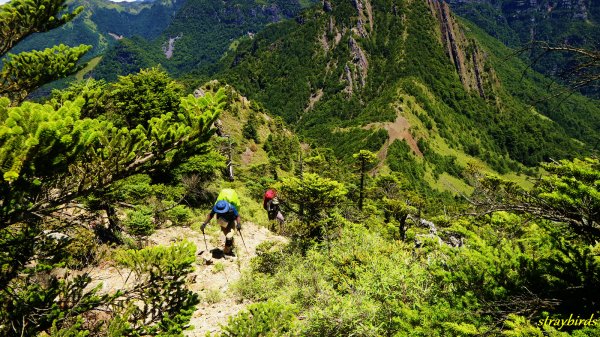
(366, 160)
(569, 194)
(144, 95)
(49, 157)
(317, 196)
(27, 71)
(21, 18)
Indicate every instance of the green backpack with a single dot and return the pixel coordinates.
(230, 196)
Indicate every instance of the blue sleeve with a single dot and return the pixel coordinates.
(235, 212)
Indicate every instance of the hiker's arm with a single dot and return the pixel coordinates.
(209, 216)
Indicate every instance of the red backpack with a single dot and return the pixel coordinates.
(269, 195)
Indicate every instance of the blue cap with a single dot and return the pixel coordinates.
(221, 207)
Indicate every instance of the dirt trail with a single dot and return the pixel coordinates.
(209, 281)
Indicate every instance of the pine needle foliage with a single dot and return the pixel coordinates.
(56, 158)
(315, 194)
(46, 150)
(21, 18)
(27, 71)
(166, 304)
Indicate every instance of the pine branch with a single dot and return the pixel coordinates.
(21, 18)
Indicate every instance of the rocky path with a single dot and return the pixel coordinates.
(212, 281)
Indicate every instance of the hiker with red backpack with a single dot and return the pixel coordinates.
(271, 205)
(226, 209)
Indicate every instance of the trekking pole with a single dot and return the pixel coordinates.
(205, 245)
(241, 236)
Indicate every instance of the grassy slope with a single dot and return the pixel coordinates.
(89, 67)
(578, 115)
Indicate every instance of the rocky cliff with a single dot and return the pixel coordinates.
(392, 76)
(464, 53)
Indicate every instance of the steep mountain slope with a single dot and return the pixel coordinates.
(201, 31)
(342, 71)
(103, 22)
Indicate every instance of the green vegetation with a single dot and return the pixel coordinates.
(93, 175)
(204, 30)
(23, 73)
(467, 278)
(99, 25)
(89, 66)
(314, 195)
(63, 162)
(261, 319)
(577, 115)
(366, 161)
(100, 18)
(164, 304)
(556, 24)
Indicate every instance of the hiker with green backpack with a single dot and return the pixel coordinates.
(226, 209)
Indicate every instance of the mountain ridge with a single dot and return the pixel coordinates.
(430, 68)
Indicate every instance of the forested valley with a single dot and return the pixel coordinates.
(429, 181)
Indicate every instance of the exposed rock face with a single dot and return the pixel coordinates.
(169, 46)
(365, 17)
(574, 9)
(331, 36)
(356, 67)
(464, 54)
(519, 23)
(115, 36)
(349, 80)
(314, 98)
(359, 59)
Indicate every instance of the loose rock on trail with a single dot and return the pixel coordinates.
(211, 281)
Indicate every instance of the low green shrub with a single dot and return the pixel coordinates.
(265, 319)
(139, 222)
